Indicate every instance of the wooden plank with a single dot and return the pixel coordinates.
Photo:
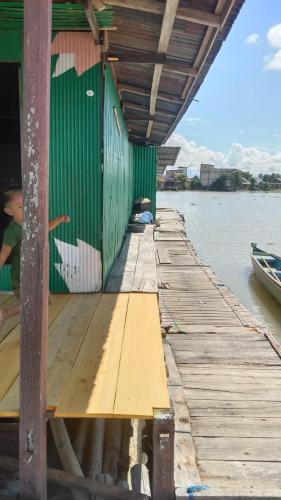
(173, 373)
(9, 403)
(34, 248)
(71, 330)
(236, 427)
(163, 256)
(237, 472)
(145, 278)
(246, 393)
(91, 387)
(142, 384)
(122, 276)
(183, 13)
(169, 15)
(234, 408)
(221, 448)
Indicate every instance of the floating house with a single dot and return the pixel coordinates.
(90, 91)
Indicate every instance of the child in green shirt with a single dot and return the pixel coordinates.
(11, 246)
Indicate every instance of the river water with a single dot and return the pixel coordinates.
(221, 227)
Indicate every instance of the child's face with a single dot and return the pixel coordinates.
(15, 207)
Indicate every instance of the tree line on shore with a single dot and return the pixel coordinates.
(239, 181)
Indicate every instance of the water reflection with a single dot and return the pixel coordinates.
(222, 227)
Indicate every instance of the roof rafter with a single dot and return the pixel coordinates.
(132, 89)
(155, 7)
(90, 13)
(174, 64)
(169, 16)
(223, 9)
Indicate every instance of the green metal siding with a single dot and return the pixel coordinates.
(75, 156)
(145, 168)
(10, 51)
(11, 46)
(75, 162)
(117, 176)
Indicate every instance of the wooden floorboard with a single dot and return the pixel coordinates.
(223, 370)
(135, 267)
(105, 358)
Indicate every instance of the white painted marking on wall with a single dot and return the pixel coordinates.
(64, 63)
(81, 266)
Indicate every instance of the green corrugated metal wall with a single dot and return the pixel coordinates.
(10, 51)
(145, 169)
(75, 156)
(99, 207)
(75, 161)
(117, 176)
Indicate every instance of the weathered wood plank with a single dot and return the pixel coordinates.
(231, 448)
(225, 407)
(263, 427)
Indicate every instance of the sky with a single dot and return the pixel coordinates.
(237, 121)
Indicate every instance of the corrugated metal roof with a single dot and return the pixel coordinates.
(167, 156)
(195, 36)
(66, 16)
(193, 45)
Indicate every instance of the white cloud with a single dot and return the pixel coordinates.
(277, 135)
(250, 159)
(253, 39)
(242, 132)
(274, 36)
(194, 120)
(273, 61)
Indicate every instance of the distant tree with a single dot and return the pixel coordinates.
(219, 184)
(183, 181)
(195, 183)
(253, 185)
(265, 186)
(237, 180)
(247, 175)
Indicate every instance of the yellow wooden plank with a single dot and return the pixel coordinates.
(4, 296)
(142, 385)
(91, 387)
(9, 361)
(11, 322)
(72, 332)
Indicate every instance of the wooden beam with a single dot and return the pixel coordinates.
(173, 64)
(165, 34)
(155, 7)
(208, 43)
(35, 255)
(98, 5)
(163, 484)
(90, 13)
(132, 89)
(141, 108)
(68, 480)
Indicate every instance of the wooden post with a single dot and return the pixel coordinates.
(163, 487)
(35, 265)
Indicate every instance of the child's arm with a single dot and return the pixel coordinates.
(57, 221)
(4, 254)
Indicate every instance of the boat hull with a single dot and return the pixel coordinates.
(272, 287)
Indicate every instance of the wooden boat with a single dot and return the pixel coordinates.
(267, 268)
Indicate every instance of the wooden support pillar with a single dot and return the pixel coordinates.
(163, 486)
(35, 259)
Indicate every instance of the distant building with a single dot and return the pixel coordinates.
(183, 170)
(209, 174)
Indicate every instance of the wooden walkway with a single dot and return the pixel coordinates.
(135, 267)
(105, 357)
(224, 378)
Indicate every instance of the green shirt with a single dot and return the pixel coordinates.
(12, 238)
